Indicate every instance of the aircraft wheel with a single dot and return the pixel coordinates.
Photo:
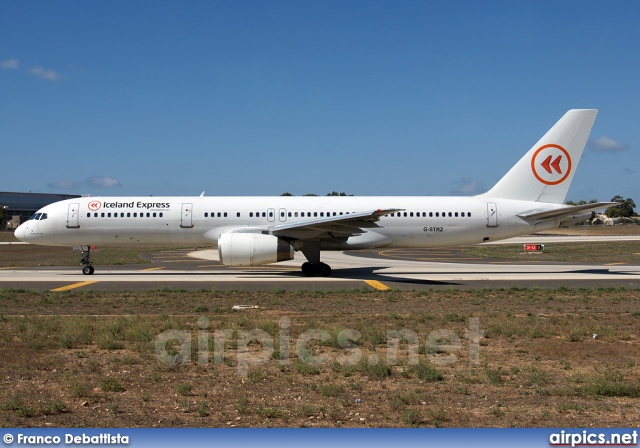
(88, 270)
(309, 269)
(324, 270)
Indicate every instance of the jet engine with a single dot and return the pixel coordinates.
(253, 249)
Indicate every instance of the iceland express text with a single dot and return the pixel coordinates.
(139, 204)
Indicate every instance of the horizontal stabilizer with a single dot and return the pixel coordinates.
(534, 215)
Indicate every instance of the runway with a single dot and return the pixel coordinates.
(402, 269)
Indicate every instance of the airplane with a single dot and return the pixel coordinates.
(252, 231)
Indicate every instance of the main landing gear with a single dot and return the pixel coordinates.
(313, 269)
(87, 268)
(313, 266)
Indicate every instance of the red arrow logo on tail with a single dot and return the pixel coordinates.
(547, 164)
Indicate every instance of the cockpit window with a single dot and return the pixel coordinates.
(43, 216)
(36, 216)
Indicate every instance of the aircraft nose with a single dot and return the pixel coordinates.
(20, 233)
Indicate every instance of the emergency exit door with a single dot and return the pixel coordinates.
(187, 216)
(492, 214)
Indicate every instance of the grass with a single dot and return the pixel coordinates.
(575, 252)
(68, 355)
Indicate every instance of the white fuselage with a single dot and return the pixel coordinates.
(423, 222)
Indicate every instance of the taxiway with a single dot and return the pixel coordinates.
(380, 269)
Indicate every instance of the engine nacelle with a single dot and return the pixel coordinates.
(252, 249)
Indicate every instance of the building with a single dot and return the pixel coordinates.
(19, 207)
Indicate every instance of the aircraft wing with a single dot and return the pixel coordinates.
(341, 226)
(570, 210)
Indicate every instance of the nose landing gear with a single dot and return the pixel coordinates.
(87, 268)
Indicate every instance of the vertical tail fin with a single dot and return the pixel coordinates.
(545, 172)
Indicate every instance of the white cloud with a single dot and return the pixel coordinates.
(49, 75)
(103, 182)
(64, 185)
(606, 144)
(10, 63)
(467, 186)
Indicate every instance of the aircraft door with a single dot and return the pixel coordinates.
(492, 214)
(283, 214)
(271, 214)
(186, 219)
(73, 216)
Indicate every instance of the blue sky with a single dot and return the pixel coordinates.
(262, 97)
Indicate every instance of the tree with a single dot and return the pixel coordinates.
(624, 210)
(582, 202)
(333, 193)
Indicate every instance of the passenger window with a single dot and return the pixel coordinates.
(468, 214)
(108, 215)
(128, 215)
(102, 215)
(206, 215)
(219, 214)
(88, 215)
(295, 214)
(161, 215)
(405, 214)
(411, 214)
(250, 214)
(322, 214)
(462, 214)
(95, 215)
(437, 214)
(238, 214)
(456, 214)
(135, 215)
(340, 213)
(315, 213)
(154, 214)
(225, 214)
(148, 215)
(449, 214)
(289, 214)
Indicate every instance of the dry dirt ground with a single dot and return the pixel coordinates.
(499, 358)
(167, 358)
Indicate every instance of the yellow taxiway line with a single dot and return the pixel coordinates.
(376, 284)
(73, 286)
